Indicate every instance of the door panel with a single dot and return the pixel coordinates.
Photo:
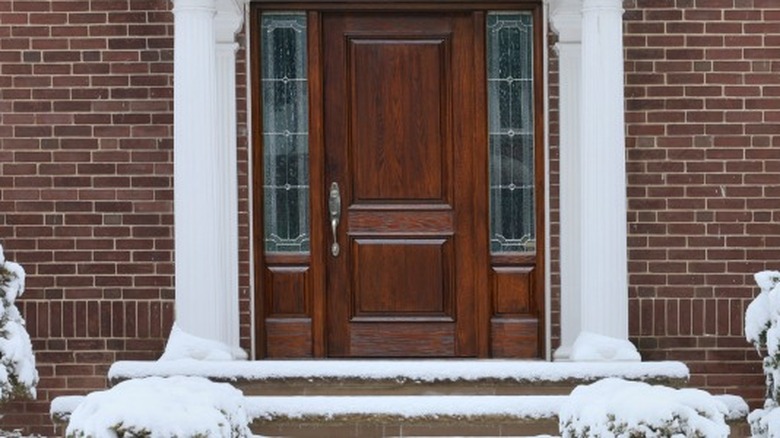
(398, 287)
(399, 109)
(402, 278)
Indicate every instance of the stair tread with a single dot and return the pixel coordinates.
(406, 407)
(429, 371)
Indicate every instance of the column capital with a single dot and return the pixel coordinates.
(194, 5)
(229, 19)
(602, 5)
(566, 20)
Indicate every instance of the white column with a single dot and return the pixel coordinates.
(228, 21)
(602, 234)
(566, 21)
(199, 179)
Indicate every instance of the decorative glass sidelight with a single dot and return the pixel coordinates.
(510, 69)
(285, 132)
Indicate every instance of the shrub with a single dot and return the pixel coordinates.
(18, 375)
(616, 408)
(762, 329)
(161, 408)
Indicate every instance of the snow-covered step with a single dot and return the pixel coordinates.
(381, 416)
(406, 377)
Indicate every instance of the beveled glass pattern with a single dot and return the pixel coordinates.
(285, 132)
(511, 131)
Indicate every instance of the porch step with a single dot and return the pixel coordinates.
(405, 377)
(392, 416)
(382, 398)
(407, 416)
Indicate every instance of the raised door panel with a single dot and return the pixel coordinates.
(402, 279)
(399, 105)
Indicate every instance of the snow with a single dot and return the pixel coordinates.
(412, 406)
(614, 407)
(61, 407)
(165, 407)
(182, 345)
(767, 280)
(737, 407)
(762, 328)
(765, 307)
(18, 375)
(765, 422)
(593, 347)
(421, 371)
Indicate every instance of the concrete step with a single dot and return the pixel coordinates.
(412, 416)
(383, 398)
(406, 377)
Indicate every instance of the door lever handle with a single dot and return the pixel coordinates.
(334, 206)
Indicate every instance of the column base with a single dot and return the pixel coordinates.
(562, 354)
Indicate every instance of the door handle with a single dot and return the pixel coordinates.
(334, 206)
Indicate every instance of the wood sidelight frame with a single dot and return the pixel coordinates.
(293, 324)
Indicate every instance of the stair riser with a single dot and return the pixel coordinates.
(358, 388)
(374, 429)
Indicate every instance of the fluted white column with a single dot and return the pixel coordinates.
(566, 21)
(603, 248)
(228, 21)
(198, 178)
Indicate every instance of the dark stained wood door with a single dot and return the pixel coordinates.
(400, 137)
(398, 120)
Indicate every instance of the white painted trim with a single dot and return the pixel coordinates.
(571, 174)
(251, 186)
(565, 20)
(547, 237)
(227, 145)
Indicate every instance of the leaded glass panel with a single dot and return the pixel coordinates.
(511, 131)
(285, 132)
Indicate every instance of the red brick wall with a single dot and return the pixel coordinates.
(703, 145)
(86, 186)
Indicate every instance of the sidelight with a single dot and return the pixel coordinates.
(511, 131)
(285, 132)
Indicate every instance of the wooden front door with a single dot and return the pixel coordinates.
(401, 240)
(400, 145)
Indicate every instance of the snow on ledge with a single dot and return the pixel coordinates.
(183, 345)
(414, 370)
(408, 407)
(62, 406)
(591, 347)
(737, 407)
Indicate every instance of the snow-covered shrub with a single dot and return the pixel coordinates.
(161, 408)
(765, 422)
(762, 329)
(616, 408)
(18, 375)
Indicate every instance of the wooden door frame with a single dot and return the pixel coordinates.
(312, 275)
